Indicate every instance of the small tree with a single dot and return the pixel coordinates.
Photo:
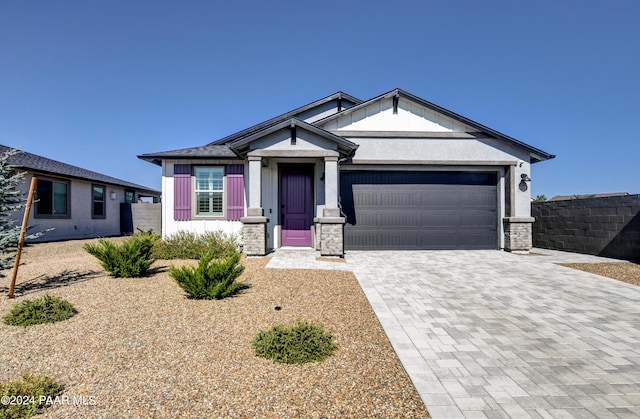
(540, 198)
(11, 199)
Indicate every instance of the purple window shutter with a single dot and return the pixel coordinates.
(181, 192)
(235, 192)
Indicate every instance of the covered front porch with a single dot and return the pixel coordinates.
(293, 187)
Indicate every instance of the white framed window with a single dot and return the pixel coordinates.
(209, 191)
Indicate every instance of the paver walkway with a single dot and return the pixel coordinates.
(492, 334)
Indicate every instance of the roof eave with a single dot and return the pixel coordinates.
(537, 155)
(150, 159)
(285, 116)
(36, 171)
(241, 145)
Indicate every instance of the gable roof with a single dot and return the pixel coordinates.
(285, 116)
(229, 146)
(536, 154)
(39, 164)
(344, 146)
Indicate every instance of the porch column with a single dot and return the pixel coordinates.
(517, 234)
(331, 182)
(330, 227)
(254, 225)
(255, 181)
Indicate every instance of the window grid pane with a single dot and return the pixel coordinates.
(210, 203)
(98, 201)
(44, 205)
(60, 198)
(98, 193)
(209, 190)
(209, 179)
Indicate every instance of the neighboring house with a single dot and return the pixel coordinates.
(595, 195)
(392, 172)
(75, 202)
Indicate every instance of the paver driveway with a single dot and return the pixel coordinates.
(493, 334)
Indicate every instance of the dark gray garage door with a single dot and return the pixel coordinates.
(419, 210)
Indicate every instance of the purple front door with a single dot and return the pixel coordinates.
(297, 208)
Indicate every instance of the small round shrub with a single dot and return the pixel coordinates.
(47, 309)
(298, 344)
(30, 388)
(212, 279)
(130, 259)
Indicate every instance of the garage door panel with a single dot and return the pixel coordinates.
(439, 240)
(400, 199)
(480, 202)
(364, 240)
(366, 199)
(479, 240)
(406, 210)
(439, 220)
(477, 221)
(400, 218)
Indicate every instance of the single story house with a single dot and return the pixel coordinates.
(391, 172)
(77, 203)
(595, 195)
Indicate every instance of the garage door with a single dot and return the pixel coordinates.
(419, 210)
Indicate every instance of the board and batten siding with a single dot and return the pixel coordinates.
(235, 192)
(182, 192)
(178, 190)
(379, 116)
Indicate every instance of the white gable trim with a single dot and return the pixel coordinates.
(410, 116)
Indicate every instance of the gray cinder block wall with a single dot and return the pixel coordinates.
(597, 226)
(146, 216)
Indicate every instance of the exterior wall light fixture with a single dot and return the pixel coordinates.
(524, 178)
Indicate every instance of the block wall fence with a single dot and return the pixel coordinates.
(607, 227)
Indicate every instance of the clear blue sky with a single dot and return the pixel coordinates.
(95, 83)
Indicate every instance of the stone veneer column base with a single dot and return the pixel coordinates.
(517, 234)
(330, 233)
(254, 232)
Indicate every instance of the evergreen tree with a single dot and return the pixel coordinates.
(11, 199)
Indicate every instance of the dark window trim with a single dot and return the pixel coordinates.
(37, 198)
(104, 202)
(133, 196)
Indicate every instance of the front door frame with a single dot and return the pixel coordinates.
(302, 168)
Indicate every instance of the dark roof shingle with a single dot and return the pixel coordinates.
(209, 151)
(39, 164)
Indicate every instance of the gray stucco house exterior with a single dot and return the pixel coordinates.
(391, 172)
(76, 203)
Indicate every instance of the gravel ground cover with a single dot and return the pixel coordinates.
(622, 271)
(140, 348)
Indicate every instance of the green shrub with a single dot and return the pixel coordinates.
(47, 309)
(303, 342)
(212, 278)
(132, 258)
(34, 389)
(187, 245)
